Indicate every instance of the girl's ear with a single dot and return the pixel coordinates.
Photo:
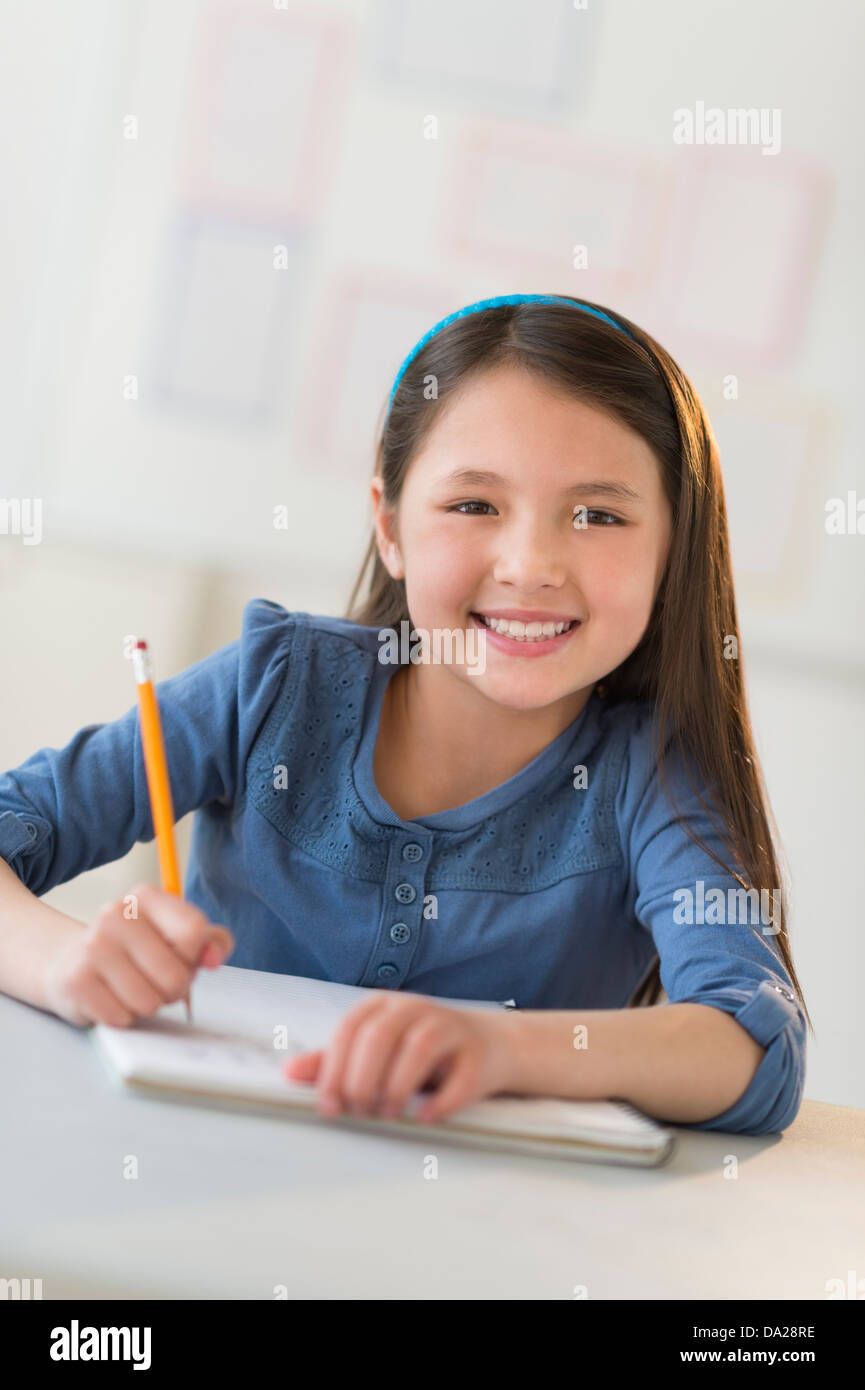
(385, 531)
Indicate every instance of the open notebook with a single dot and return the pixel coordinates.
(231, 1054)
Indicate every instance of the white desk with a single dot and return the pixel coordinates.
(229, 1206)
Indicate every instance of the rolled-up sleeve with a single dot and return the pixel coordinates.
(730, 964)
(66, 810)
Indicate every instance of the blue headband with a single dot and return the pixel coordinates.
(494, 304)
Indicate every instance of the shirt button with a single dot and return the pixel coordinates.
(412, 852)
(399, 932)
(387, 972)
(404, 893)
(31, 829)
(786, 992)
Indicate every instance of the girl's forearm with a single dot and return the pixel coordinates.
(683, 1063)
(30, 934)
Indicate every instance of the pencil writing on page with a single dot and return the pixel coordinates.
(158, 784)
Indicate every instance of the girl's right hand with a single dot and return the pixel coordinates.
(122, 968)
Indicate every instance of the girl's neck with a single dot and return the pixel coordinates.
(441, 744)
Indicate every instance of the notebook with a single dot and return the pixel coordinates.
(246, 1023)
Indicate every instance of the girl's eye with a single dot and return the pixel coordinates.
(475, 508)
(458, 507)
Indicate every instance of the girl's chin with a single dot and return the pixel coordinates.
(521, 693)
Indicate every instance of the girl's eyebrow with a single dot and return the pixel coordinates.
(481, 477)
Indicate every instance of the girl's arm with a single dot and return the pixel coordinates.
(67, 810)
(31, 934)
(719, 962)
(683, 1063)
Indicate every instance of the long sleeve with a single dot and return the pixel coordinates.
(66, 810)
(715, 946)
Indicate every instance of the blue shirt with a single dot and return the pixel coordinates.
(543, 890)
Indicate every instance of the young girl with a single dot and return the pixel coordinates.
(537, 812)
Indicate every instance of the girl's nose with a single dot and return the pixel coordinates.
(529, 558)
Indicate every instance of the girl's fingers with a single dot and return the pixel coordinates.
(183, 925)
(95, 999)
(331, 1075)
(134, 990)
(426, 1044)
(168, 972)
(304, 1067)
(458, 1089)
(167, 962)
(214, 955)
(383, 1052)
(220, 945)
(378, 1040)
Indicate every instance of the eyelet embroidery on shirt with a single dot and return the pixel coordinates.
(553, 832)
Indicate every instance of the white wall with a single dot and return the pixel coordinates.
(303, 127)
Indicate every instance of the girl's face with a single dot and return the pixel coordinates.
(484, 530)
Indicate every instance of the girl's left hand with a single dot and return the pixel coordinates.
(391, 1045)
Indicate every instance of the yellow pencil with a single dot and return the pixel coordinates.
(156, 767)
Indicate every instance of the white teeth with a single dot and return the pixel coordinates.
(525, 632)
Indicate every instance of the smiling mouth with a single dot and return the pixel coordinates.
(529, 632)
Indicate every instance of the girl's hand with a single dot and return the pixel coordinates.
(121, 968)
(391, 1045)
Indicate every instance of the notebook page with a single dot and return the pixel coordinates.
(255, 1002)
(169, 1052)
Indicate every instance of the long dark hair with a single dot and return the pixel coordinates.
(680, 662)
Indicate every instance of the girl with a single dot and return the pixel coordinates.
(559, 805)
